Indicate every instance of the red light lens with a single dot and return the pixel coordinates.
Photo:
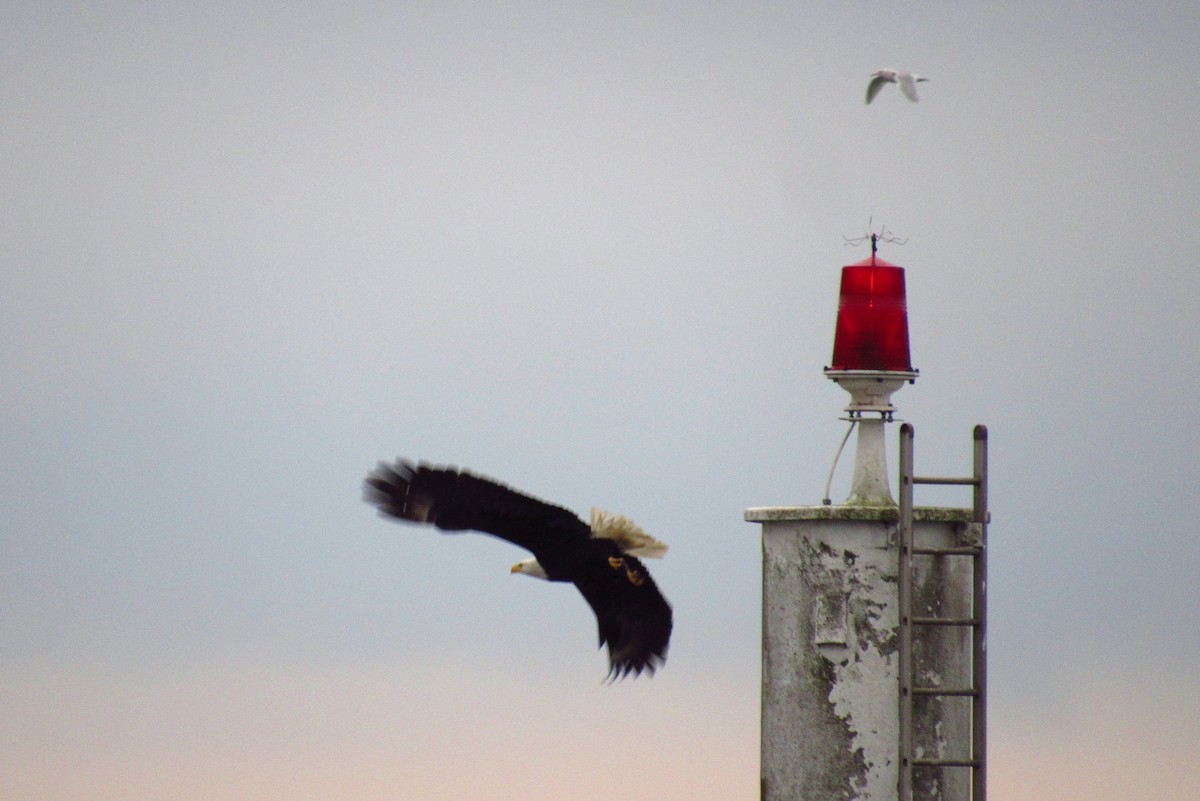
(872, 321)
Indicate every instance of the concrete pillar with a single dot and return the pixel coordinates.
(869, 485)
(830, 684)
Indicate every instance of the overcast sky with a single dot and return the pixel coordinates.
(593, 250)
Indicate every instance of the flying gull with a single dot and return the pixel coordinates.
(907, 80)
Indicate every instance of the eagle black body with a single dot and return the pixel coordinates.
(634, 619)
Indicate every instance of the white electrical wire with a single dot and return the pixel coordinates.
(838, 455)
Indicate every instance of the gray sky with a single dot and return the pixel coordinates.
(593, 251)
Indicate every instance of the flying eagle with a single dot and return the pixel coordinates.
(600, 560)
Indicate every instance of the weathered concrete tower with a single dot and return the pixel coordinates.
(873, 625)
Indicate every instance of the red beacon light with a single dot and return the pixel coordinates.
(870, 344)
(870, 361)
(872, 321)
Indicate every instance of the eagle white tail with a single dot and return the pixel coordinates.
(628, 536)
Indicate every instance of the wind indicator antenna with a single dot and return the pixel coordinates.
(884, 235)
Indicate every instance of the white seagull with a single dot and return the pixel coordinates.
(907, 81)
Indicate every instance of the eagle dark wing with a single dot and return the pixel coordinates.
(456, 500)
(633, 618)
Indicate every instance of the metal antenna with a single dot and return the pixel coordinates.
(884, 235)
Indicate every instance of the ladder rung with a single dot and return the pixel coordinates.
(934, 691)
(963, 550)
(945, 621)
(970, 480)
(947, 763)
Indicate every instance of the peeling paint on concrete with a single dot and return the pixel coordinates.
(829, 662)
(830, 686)
(863, 687)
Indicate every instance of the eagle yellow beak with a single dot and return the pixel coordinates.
(516, 568)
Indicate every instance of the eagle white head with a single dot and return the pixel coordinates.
(530, 567)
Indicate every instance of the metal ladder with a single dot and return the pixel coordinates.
(976, 550)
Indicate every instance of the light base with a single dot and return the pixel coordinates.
(871, 390)
(870, 408)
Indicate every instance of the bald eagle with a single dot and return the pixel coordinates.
(634, 619)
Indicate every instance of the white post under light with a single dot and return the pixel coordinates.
(869, 410)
